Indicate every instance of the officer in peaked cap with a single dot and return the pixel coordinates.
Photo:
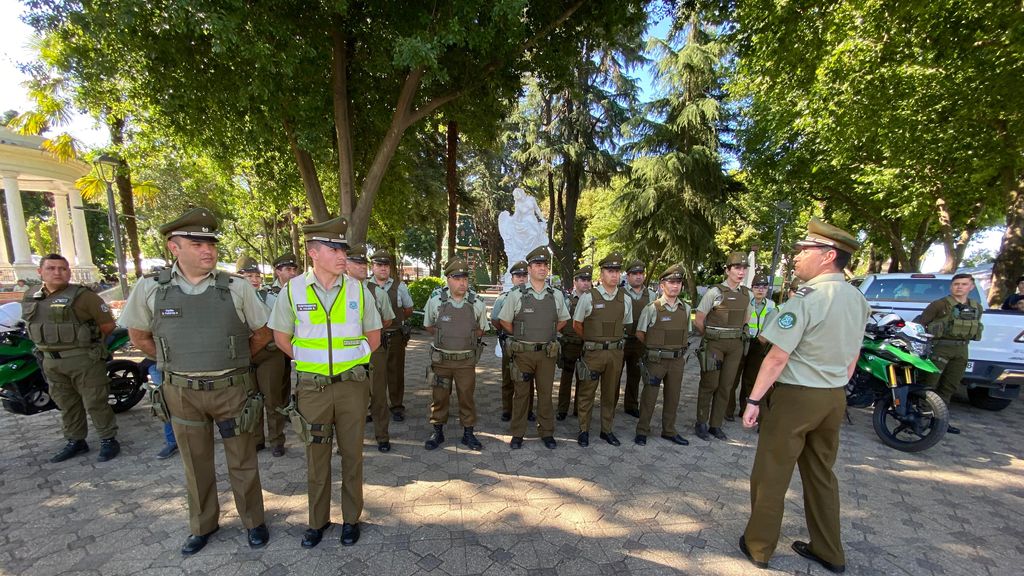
(332, 367)
(519, 272)
(664, 327)
(600, 319)
(532, 315)
(457, 319)
(572, 345)
(396, 334)
(639, 296)
(721, 319)
(207, 342)
(800, 399)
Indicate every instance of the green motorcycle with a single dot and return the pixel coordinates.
(907, 416)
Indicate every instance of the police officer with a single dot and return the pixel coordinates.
(203, 326)
(663, 326)
(396, 336)
(640, 296)
(271, 369)
(286, 267)
(600, 318)
(357, 268)
(532, 316)
(815, 343)
(954, 321)
(760, 310)
(720, 318)
(329, 325)
(572, 346)
(519, 273)
(67, 323)
(457, 319)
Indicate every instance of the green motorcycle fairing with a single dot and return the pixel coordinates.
(16, 360)
(873, 359)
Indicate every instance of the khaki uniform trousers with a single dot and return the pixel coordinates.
(607, 364)
(342, 404)
(379, 394)
(715, 385)
(747, 375)
(79, 385)
(463, 373)
(396, 369)
(571, 352)
(195, 443)
(670, 371)
(631, 355)
(950, 356)
(273, 381)
(508, 382)
(799, 425)
(542, 368)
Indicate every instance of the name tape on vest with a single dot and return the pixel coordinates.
(170, 312)
(306, 307)
(60, 300)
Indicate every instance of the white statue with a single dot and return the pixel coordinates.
(523, 230)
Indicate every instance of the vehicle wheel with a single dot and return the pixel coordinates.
(980, 398)
(924, 427)
(126, 384)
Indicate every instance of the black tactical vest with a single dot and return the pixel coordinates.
(670, 329)
(455, 328)
(197, 333)
(52, 323)
(605, 323)
(537, 318)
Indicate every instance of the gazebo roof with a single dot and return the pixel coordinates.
(37, 169)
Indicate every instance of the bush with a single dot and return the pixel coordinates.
(420, 290)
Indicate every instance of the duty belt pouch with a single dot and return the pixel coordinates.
(645, 373)
(158, 406)
(406, 332)
(479, 351)
(299, 424)
(553, 349)
(252, 410)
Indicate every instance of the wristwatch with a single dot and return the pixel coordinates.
(753, 402)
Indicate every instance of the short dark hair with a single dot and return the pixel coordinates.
(962, 277)
(1019, 279)
(52, 256)
(842, 258)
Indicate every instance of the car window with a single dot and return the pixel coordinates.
(922, 290)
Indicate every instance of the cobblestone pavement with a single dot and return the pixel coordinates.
(659, 509)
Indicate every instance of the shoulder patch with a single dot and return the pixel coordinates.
(787, 320)
(804, 291)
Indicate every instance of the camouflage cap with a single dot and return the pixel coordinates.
(760, 280)
(737, 259)
(331, 232)
(381, 257)
(286, 260)
(673, 272)
(538, 254)
(520, 267)
(456, 267)
(612, 261)
(821, 233)
(357, 253)
(246, 264)
(197, 224)
(584, 273)
(634, 267)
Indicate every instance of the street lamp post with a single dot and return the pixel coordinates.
(782, 214)
(107, 167)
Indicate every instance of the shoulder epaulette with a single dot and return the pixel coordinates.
(804, 291)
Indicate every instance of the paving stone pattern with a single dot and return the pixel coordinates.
(661, 509)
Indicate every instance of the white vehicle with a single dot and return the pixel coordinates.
(995, 370)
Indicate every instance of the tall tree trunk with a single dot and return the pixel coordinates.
(293, 232)
(310, 180)
(342, 122)
(573, 170)
(452, 183)
(1009, 263)
(123, 180)
(438, 248)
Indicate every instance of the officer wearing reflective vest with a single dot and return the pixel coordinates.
(286, 267)
(457, 319)
(532, 316)
(270, 369)
(721, 318)
(396, 336)
(639, 296)
(67, 323)
(572, 346)
(664, 327)
(204, 326)
(379, 414)
(519, 272)
(954, 321)
(600, 318)
(328, 323)
(761, 309)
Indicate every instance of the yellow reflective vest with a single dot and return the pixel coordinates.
(328, 341)
(756, 323)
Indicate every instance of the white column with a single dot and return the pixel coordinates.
(67, 241)
(16, 218)
(79, 230)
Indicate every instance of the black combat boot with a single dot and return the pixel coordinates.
(701, 430)
(436, 437)
(469, 439)
(109, 449)
(70, 450)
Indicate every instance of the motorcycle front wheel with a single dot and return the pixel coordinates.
(126, 384)
(924, 425)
